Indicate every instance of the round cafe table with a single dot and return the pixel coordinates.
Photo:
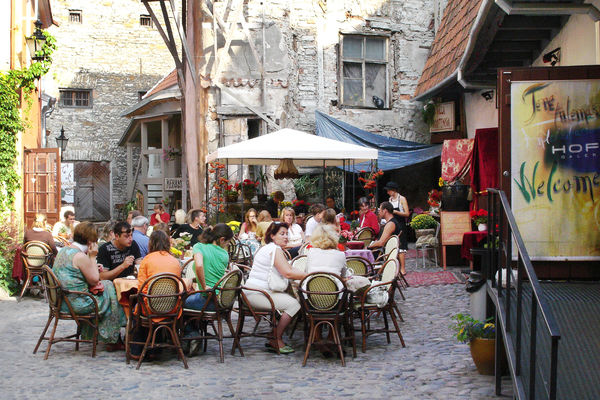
(364, 253)
(124, 288)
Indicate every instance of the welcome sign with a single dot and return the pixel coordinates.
(555, 161)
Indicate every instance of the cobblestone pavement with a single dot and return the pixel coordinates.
(432, 366)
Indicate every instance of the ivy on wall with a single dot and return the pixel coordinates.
(12, 84)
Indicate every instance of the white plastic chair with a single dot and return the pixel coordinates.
(426, 246)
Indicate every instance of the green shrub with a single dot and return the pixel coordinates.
(423, 221)
(8, 242)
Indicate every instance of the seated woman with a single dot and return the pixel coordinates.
(157, 261)
(295, 232)
(271, 255)
(367, 218)
(330, 218)
(264, 221)
(40, 233)
(76, 268)
(248, 231)
(210, 262)
(324, 255)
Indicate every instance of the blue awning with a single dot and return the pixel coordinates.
(393, 153)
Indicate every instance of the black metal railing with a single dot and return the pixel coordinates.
(519, 334)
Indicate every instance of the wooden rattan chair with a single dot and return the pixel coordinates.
(159, 301)
(365, 235)
(239, 252)
(60, 241)
(359, 266)
(245, 309)
(35, 255)
(299, 263)
(393, 242)
(366, 311)
(57, 296)
(324, 301)
(303, 249)
(223, 296)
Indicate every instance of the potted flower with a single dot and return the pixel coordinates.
(345, 236)
(248, 189)
(231, 194)
(301, 206)
(423, 225)
(434, 200)
(479, 218)
(482, 340)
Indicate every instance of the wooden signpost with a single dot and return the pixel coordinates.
(453, 225)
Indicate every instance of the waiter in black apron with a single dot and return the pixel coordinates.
(401, 212)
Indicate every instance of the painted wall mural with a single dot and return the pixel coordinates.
(555, 161)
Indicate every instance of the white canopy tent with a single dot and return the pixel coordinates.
(304, 148)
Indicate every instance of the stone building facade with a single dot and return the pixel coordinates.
(331, 56)
(109, 54)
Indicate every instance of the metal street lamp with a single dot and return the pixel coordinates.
(62, 141)
(36, 41)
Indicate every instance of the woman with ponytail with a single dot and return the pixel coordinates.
(211, 260)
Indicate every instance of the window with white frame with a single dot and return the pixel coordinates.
(364, 77)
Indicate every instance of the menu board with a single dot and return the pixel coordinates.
(454, 224)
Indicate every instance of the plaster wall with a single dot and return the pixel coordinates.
(480, 113)
(577, 42)
(302, 44)
(110, 53)
(5, 36)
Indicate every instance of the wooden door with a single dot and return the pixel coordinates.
(92, 191)
(41, 184)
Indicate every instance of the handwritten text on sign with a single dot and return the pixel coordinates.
(443, 120)
(454, 224)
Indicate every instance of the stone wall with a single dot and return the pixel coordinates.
(110, 53)
(302, 63)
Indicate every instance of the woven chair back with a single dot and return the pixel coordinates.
(389, 270)
(322, 283)
(358, 265)
(299, 263)
(303, 249)
(392, 255)
(365, 235)
(53, 288)
(392, 243)
(36, 253)
(163, 294)
(227, 286)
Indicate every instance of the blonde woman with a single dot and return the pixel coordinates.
(295, 232)
(264, 221)
(40, 233)
(324, 255)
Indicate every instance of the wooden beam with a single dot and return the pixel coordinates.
(522, 22)
(188, 55)
(520, 36)
(510, 46)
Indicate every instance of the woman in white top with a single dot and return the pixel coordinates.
(324, 255)
(268, 256)
(295, 232)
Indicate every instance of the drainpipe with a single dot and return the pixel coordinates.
(47, 109)
(477, 25)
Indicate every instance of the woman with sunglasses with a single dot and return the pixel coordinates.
(270, 257)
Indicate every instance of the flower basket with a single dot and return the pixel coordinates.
(424, 232)
(231, 196)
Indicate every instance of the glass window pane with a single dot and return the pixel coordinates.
(375, 84)
(353, 70)
(353, 47)
(353, 92)
(375, 49)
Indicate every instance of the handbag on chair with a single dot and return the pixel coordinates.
(276, 282)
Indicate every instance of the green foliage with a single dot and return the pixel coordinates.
(467, 328)
(8, 243)
(306, 187)
(423, 221)
(12, 84)
(429, 112)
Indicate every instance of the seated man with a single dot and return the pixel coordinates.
(140, 228)
(330, 203)
(391, 227)
(197, 217)
(118, 255)
(65, 228)
(272, 205)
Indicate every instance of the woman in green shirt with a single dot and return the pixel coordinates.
(211, 260)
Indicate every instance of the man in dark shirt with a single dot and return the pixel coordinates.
(272, 205)
(118, 256)
(330, 203)
(194, 227)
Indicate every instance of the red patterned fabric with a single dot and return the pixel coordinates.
(456, 158)
(18, 272)
(470, 241)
